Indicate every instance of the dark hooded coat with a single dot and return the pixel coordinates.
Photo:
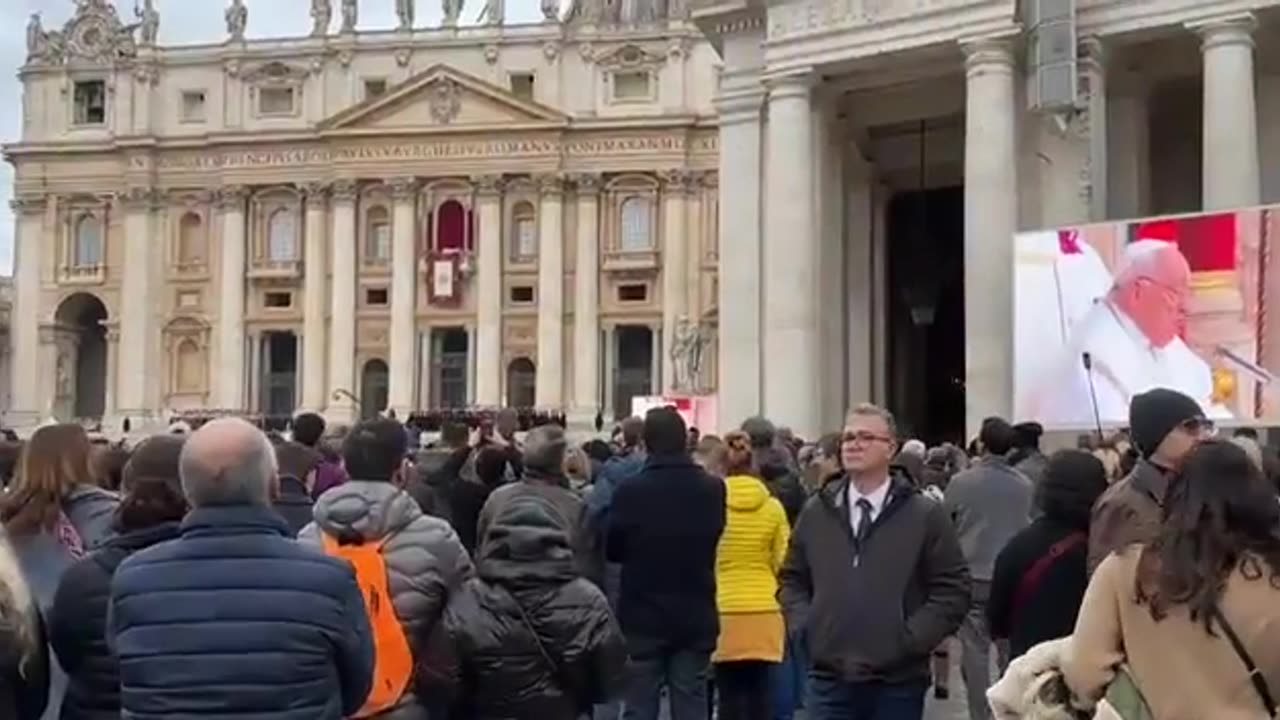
(528, 637)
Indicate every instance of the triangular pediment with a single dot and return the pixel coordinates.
(442, 97)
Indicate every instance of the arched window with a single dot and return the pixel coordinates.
(88, 245)
(524, 233)
(522, 379)
(190, 366)
(282, 236)
(454, 227)
(190, 240)
(636, 231)
(377, 241)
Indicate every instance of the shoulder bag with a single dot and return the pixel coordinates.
(557, 672)
(1255, 675)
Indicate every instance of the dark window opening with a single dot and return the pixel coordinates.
(633, 293)
(278, 300)
(90, 102)
(375, 297)
(522, 294)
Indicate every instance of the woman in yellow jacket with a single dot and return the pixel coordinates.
(751, 551)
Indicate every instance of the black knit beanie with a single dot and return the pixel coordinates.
(1155, 413)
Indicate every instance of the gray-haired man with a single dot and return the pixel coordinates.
(233, 614)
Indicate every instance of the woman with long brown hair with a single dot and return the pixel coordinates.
(54, 514)
(1194, 614)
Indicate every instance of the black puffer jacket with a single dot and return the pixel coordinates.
(79, 622)
(528, 584)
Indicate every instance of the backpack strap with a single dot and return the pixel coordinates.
(1255, 675)
(1031, 578)
(557, 673)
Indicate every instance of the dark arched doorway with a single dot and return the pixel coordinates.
(522, 383)
(374, 381)
(80, 372)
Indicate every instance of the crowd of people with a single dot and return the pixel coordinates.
(502, 572)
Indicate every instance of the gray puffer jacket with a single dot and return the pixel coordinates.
(426, 564)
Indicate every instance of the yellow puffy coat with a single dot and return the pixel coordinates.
(752, 548)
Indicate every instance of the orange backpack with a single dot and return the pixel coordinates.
(393, 659)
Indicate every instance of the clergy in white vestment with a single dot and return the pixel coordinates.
(1133, 337)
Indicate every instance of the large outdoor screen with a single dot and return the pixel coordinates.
(1103, 312)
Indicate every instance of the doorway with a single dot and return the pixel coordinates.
(633, 372)
(449, 351)
(279, 374)
(375, 386)
(81, 371)
(926, 333)
(522, 383)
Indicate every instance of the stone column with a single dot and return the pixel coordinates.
(24, 316)
(488, 292)
(739, 375)
(990, 220)
(110, 392)
(229, 381)
(586, 304)
(314, 299)
(1232, 177)
(137, 367)
(342, 310)
(1093, 76)
(790, 347)
(675, 261)
(549, 388)
(404, 296)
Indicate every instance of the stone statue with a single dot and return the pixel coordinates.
(321, 14)
(686, 355)
(350, 14)
(148, 22)
(237, 20)
(550, 10)
(404, 11)
(452, 10)
(494, 13)
(62, 373)
(37, 41)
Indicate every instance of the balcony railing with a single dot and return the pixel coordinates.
(266, 269)
(83, 273)
(630, 260)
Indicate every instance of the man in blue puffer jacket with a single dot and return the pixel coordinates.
(233, 619)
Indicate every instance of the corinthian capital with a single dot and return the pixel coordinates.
(316, 192)
(29, 204)
(139, 197)
(403, 188)
(677, 181)
(550, 183)
(232, 197)
(487, 184)
(586, 183)
(345, 190)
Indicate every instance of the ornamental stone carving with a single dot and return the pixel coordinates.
(550, 183)
(321, 16)
(445, 101)
(29, 204)
(487, 184)
(404, 12)
(586, 183)
(93, 35)
(350, 15)
(315, 192)
(148, 23)
(140, 198)
(237, 17)
(451, 10)
(345, 190)
(403, 188)
(677, 181)
(627, 57)
(232, 197)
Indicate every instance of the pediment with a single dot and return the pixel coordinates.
(442, 97)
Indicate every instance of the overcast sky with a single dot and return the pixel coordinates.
(181, 22)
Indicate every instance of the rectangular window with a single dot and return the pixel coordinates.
(278, 300)
(373, 87)
(375, 297)
(193, 106)
(522, 85)
(633, 293)
(633, 86)
(90, 97)
(521, 294)
(275, 101)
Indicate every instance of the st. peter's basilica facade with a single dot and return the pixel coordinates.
(413, 218)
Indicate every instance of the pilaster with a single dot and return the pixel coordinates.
(24, 317)
(314, 298)
(1232, 175)
(676, 186)
(549, 388)
(229, 380)
(488, 291)
(342, 316)
(404, 270)
(586, 304)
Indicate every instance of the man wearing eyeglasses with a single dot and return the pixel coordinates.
(874, 581)
(1165, 425)
(1133, 338)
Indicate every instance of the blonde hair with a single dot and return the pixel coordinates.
(577, 465)
(738, 456)
(17, 608)
(53, 462)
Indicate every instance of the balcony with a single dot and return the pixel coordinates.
(275, 272)
(83, 274)
(631, 262)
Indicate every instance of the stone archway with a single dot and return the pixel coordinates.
(80, 370)
(374, 388)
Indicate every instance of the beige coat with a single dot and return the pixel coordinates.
(1184, 673)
